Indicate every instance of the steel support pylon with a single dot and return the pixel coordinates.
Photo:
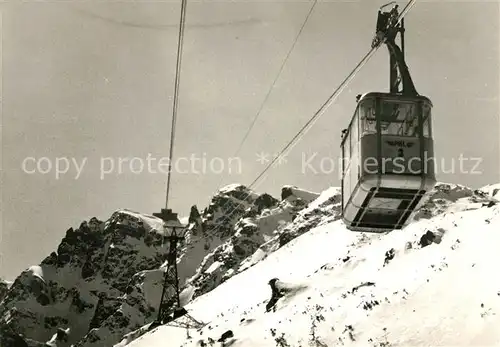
(170, 309)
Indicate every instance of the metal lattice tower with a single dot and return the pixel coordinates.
(170, 300)
(170, 307)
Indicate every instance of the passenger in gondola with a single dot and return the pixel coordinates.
(380, 31)
(344, 132)
(382, 21)
(393, 16)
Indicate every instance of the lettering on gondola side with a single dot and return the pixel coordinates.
(400, 143)
(400, 156)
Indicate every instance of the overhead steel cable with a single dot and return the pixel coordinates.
(328, 102)
(278, 75)
(176, 97)
(319, 112)
(254, 120)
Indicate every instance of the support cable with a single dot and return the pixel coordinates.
(319, 112)
(275, 80)
(176, 96)
(278, 75)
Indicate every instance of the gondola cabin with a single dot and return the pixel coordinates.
(387, 165)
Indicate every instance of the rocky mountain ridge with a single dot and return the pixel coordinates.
(105, 278)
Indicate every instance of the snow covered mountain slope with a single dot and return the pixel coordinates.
(105, 279)
(80, 286)
(433, 283)
(493, 190)
(214, 226)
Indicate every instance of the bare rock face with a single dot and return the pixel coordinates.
(445, 197)
(105, 279)
(262, 222)
(80, 285)
(194, 215)
(4, 288)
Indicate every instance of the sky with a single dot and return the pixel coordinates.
(91, 84)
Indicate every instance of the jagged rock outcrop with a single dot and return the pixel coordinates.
(250, 220)
(324, 208)
(205, 232)
(4, 287)
(446, 197)
(260, 224)
(90, 270)
(194, 215)
(105, 278)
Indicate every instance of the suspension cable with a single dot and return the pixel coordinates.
(176, 96)
(278, 75)
(318, 113)
(303, 130)
(328, 102)
(272, 87)
(275, 79)
(407, 8)
(315, 117)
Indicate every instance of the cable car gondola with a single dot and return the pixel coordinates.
(387, 149)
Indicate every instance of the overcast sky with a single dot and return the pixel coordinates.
(88, 80)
